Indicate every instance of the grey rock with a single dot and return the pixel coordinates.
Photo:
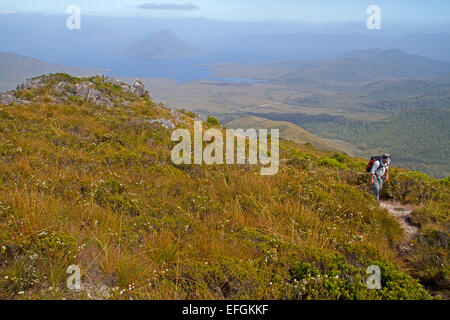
(125, 87)
(177, 115)
(105, 101)
(164, 122)
(138, 88)
(31, 84)
(112, 81)
(7, 98)
(62, 87)
(83, 91)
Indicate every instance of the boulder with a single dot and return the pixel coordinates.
(112, 81)
(31, 84)
(138, 88)
(7, 98)
(83, 91)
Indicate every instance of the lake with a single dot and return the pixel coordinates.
(179, 69)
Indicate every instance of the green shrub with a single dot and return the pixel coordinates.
(431, 259)
(339, 157)
(212, 121)
(331, 163)
(330, 276)
(446, 181)
(188, 113)
(114, 195)
(413, 187)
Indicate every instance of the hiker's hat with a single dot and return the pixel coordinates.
(387, 156)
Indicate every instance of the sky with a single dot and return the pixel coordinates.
(315, 11)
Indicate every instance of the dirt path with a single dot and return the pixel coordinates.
(403, 214)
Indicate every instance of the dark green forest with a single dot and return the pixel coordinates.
(417, 138)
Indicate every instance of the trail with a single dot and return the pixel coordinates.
(403, 214)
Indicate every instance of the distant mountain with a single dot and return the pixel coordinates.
(445, 78)
(14, 69)
(396, 63)
(307, 46)
(353, 68)
(162, 44)
(366, 66)
(389, 89)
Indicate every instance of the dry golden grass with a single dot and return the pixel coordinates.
(84, 185)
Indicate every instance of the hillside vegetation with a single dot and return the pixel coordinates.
(291, 132)
(418, 138)
(92, 184)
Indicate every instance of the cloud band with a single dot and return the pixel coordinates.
(168, 6)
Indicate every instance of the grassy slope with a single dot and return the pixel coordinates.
(83, 184)
(417, 138)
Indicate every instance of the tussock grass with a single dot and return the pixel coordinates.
(86, 185)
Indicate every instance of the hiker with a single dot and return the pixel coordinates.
(379, 167)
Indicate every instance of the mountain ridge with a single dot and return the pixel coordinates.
(342, 71)
(14, 69)
(162, 45)
(367, 66)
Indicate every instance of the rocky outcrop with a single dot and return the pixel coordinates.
(112, 81)
(32, 84)
(83, 91)
(177, 115)
(8, 98)
(138, 88)
(85, 88)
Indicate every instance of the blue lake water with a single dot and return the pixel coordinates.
(238, 80)
(180, 69)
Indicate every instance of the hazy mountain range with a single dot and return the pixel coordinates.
(349, 68)
(303, 46)
(162, 44)
(46, 37)
(15, 68)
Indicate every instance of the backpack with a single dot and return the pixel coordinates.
(372, 160)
